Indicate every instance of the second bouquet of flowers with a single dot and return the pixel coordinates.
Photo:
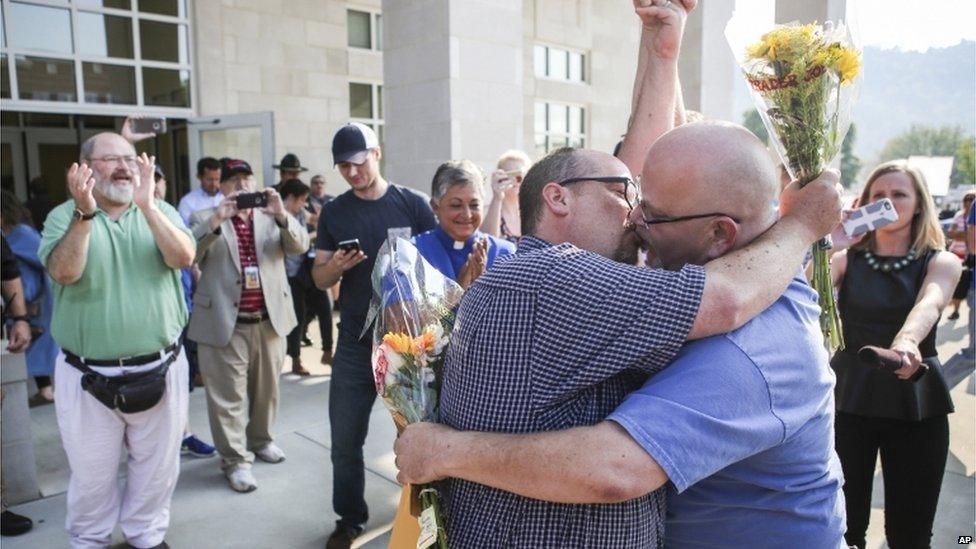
(804, 80)
(413, 305)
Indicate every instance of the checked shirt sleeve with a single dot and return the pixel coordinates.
(603, 318)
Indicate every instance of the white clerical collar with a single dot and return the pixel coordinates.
(459, 245)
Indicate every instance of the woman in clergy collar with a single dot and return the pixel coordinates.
(456, 247)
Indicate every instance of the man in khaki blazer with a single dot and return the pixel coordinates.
(242, 312)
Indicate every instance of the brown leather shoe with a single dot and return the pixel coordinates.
(327, 357)
(198, 380)
(298, 369)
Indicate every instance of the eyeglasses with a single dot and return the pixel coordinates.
(631, 190)
(130, 160)
(661, 220)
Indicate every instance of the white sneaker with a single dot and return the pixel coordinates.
(270, 454)
(241, 480)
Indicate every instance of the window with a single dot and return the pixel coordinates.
(559, 125)
(366, 106)
(365, 30)
(559, 64)
(97, 52)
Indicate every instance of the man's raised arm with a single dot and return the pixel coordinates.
(656, 81)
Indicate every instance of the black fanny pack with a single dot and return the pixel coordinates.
(129, 393)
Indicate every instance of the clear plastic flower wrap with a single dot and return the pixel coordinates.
(414, 307)
(804, 80)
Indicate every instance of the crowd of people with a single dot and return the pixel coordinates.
(637, 359)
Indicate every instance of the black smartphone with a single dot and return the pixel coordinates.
(349, 245)
(149, 125)
(251, 200)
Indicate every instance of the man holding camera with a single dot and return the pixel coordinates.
(242, 312)
(114, 252)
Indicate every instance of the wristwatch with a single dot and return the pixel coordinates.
(22, 318)
(80, 215)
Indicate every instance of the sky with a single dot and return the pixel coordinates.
(907, 24)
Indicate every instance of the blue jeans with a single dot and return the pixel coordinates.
(351, 396)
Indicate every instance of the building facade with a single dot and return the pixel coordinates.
(437, 79)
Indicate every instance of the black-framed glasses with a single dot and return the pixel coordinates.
(661, 220)
(631, 190)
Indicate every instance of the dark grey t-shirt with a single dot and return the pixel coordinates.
(401, 212)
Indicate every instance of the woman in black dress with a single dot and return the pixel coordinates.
(893, 286)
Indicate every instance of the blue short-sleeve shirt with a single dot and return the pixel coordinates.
(742, 423)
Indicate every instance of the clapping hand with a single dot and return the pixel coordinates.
(80, 185)
(144, 183)
(666, 20)
(475, 265)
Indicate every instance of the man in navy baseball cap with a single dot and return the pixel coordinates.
(372, 211)
(352, 143)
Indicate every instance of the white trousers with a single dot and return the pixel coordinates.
(93, 438)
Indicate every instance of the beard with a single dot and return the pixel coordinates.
(119, 194)
(627, 250)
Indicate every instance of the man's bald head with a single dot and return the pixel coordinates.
(711, 186)
(89, 148)
(714, 166)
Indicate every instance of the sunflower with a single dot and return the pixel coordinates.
(400, 343)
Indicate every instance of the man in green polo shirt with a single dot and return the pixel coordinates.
(114, 253)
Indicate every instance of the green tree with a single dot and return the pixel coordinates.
(964, 168)
(850, 164)
(921, 140)
(753, 122)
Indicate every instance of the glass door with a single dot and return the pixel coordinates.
(249, 137)
(13, 174)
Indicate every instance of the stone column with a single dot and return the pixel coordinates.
(452, 81)
(706, 66)
(19, 472)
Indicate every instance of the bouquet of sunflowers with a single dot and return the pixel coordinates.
(413, 305)
(804, 80)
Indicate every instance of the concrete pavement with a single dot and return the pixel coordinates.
(292, 506)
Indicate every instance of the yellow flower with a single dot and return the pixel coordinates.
(423, 343)
(848, 64)
(784, 43)
(400, 343)
(757, 50)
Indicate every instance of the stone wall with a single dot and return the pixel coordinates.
(286, 56)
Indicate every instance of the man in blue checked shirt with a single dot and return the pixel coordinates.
(556, 337)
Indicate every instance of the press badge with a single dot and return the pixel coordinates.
(252, 280)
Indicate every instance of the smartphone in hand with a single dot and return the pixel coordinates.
(251, 200)
(149, 125)
(349, 245)
(870, 218)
